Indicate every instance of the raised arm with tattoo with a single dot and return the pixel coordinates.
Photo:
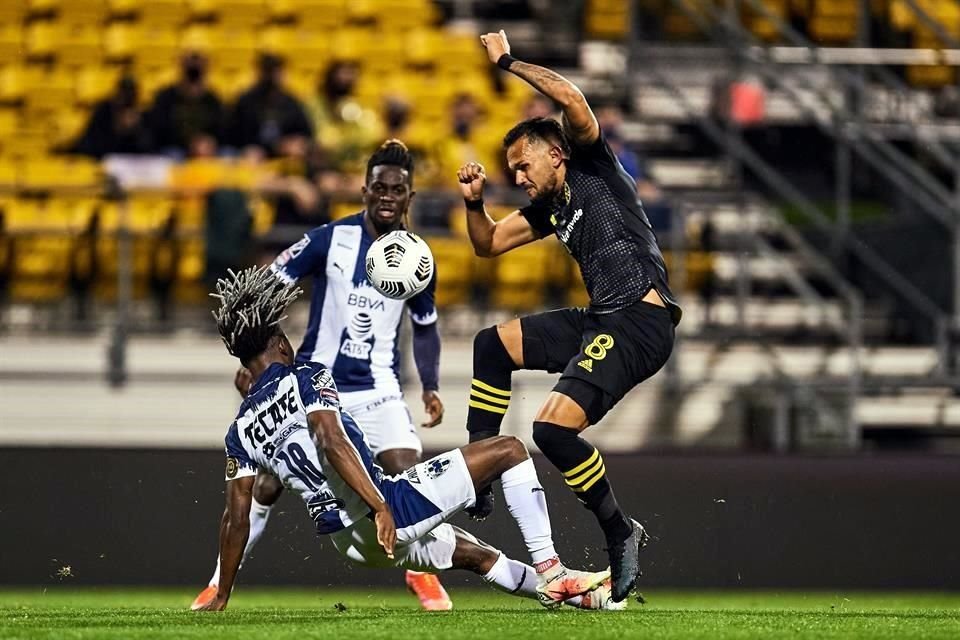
(578, 120)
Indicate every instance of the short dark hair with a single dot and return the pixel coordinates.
(392, 152)
(546, 129)
(252, 304)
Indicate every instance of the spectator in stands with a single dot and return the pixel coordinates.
(292, 184)
(116, 125)
(266, 111)
(186, 111)
(658, 210)
(539, 106)
(346, 131)
(466, 142)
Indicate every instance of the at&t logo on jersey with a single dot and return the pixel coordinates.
(358, 337)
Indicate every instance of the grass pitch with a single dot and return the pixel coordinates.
(280, 614)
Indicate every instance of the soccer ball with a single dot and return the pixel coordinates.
(399, 264)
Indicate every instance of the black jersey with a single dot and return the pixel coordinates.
(599, 219)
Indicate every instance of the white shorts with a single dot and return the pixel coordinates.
(384, 419)
(421, 499)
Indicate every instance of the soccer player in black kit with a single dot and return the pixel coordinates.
(578, 191)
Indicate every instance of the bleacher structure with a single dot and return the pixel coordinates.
(769, 306)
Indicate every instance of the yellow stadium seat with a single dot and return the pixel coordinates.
(49, 91)
(83, 12)
(314, 13)
(164, 13)
(192, 260)
(8, 172)
(122, 7)
(9, 122)
(13, 80)
(62, 171)
(22, 215)
(67, 125)
(159, 46)
(42, 7)
(424, 47)
(69, 214)
(233, 48)
(247, 13)
(95, 83)
(454, 258)
(11, 42)
(42, 37)
(263, 214)
(340, 210)
(152, 78)
(121, 40)
(520, 278)
(12, 11)
(230, 83)
(80, 45)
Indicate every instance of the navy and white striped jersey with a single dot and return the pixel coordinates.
(357, 337)
(271, 431)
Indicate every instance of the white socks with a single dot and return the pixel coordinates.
(528, 506)
(517, 579)
(259, 514)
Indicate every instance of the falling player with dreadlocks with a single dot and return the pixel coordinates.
(353, 330)
(578, 191)
(293, 425)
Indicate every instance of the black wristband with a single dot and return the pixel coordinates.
(505, 61)
(473, 205)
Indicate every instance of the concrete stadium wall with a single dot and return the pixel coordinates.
(150, 517)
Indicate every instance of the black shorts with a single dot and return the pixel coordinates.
(602, 356)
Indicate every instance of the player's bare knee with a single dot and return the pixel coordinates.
(513, 451)
(267, 489)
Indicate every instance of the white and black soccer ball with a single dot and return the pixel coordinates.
(399, 264)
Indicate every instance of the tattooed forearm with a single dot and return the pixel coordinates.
(549, 83)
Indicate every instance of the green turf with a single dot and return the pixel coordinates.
(278, 614)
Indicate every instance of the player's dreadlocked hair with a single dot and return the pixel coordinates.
(252, 304)
(392, 152)
(545, 129)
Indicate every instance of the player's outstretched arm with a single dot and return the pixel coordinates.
(343, 456)
(234, 530)
(578, 119)
(489, 237)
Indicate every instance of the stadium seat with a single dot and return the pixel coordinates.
(608, 19)
(520, 278)
(80, 45)
(454, 259)
(94, 83)
(121, 40)
(314, 14)
(61, 171)
(159, 46)
(238, 13)
(164, 13)
(48, 91)
(11, 42)
(12, 12)
(41, 38)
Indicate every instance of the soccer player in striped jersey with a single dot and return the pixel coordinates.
(292, 423)
(353, 330)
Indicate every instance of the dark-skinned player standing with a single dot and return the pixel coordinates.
(579, 192)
